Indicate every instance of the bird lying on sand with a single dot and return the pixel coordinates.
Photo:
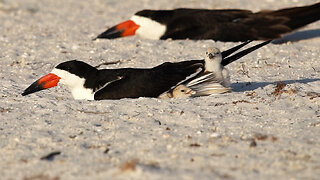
(87, 82)
(217, 24)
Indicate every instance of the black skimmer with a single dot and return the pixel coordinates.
(87, 82)
(222, 25)
(180, 91)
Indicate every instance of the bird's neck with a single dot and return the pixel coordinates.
(149, 28)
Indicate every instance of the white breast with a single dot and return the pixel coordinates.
(149, 28)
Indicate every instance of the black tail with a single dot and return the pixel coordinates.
(239, 55)
(299, 16)
(234, 49)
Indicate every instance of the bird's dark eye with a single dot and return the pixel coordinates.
(182, 90)
(68, 68)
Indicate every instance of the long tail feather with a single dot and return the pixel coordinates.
(234, 49)
(239, 55)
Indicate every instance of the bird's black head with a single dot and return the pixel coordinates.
(165, 16)
(161, 16)
(74, 74)
(78, 68)
(69, 73)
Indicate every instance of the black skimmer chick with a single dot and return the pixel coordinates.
(204, 85)
(222, 25)
(180, 91)
(87, 82)
(213, 60)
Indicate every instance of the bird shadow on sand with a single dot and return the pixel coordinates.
(298, 36)
(250, 86)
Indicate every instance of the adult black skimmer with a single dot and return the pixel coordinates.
(87, 82)
(222, 25)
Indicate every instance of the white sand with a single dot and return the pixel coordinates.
(199, 138)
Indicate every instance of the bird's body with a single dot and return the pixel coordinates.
(87, 82)
(222, 25)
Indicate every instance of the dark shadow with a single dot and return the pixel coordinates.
(297, 36)
(250, 86)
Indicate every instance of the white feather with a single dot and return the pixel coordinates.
(149, 28)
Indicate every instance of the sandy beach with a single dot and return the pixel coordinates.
(268, 127)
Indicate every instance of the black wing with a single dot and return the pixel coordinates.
(152, 82)
(235, 25)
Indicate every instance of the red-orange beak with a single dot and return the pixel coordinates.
(127, 28)
(47, 81)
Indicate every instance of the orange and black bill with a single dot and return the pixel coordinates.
(127, 28)
(47, 81)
